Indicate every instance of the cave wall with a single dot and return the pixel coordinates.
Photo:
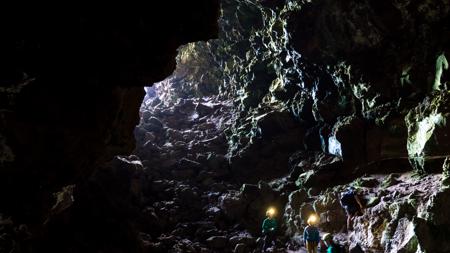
(71, 85)
(348, 73)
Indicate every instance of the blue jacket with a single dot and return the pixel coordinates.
(311, 234)
(269, 225)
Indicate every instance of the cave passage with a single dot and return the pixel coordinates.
(255, 121)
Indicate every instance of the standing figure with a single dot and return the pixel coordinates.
(352, 205)
(269, 228)
(332, 247)
(311, 234)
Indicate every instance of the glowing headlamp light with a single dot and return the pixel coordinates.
(313, 219)
(271, 211)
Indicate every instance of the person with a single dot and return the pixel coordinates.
(352, 205)
(332, 247)
(269, 228)
(311, 234)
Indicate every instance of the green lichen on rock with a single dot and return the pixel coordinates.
(427, 128)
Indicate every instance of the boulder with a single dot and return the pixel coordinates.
(400, 209)
(239, 248)
(404, 239)
(232, 205)
(243, 238)
(428, 139)
(217, 242)
(438, 208)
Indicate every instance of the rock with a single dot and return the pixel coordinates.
(313, 192)
(368, 182)
(183, 173)
(305, 211)
(188, 196)
(402, 209)
(387, 139)
(438, 207)
(250, 191)
(356, 249)
(324, 96)
(207, 230)
(326, 170)
(149, 137)
(154, 124)
(156, 247)
(217, 242)
(404, 239)
(274, 122)
(295, 172)
(266, 192)
(204, 109)
(232, 205)
(428, 138)
(297, 198)
(186, 163)
(390, 181)
(348, 140)
(332, 215)
(373, 201)
(240, 248)
(243, 238)
(446, 173)
(292, 211)
(173, 134)
(312, 139)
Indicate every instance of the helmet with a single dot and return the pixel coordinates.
(327, 236)
(313, 219)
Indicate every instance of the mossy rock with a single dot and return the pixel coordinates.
(390, 181)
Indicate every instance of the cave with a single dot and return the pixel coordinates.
(226, 126)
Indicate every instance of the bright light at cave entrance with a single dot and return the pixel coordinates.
(334, 146)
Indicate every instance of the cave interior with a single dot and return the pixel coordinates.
(126, 132)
